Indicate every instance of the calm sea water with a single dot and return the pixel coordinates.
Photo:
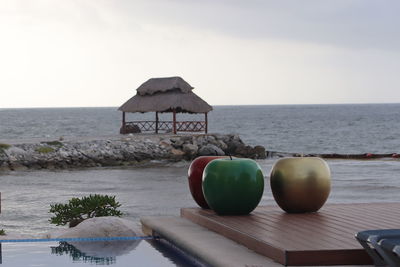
(288, 128)
(162, 189)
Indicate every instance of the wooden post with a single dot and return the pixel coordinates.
(123, 130)
(206, 120)
(174, 121)
(156, 121)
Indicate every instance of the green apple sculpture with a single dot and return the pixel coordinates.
(233, 186)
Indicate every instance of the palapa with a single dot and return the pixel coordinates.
(155, 85)
(171, 94)
(165, 95)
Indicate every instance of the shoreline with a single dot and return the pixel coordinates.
(119, 150)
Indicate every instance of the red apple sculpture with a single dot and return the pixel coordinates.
(195, 175)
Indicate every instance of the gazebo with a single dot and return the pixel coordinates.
(160, 95)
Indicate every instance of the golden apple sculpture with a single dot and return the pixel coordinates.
(300, 184)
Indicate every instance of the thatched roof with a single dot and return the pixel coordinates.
(155, 85)
(166, 95)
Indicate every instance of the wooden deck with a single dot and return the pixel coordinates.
(322, 238)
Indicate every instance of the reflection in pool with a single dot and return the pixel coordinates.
(99, 252)
(149, 252)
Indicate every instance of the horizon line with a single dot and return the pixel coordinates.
(227, 105)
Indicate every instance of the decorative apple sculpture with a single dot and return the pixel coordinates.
(233, 186)
(195, 178)
(300, 184)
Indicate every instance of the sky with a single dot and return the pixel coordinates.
(92, 53)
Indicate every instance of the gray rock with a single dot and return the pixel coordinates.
(3, 157)
(63, 154)
(233, 144)
(177, 152)
(124, 151)
(175, 139)
(99, 227)
(15, 152)
(165, 142)
(210, 150)
(129, 129)
(200, 141)
(190, 149)
(187, 139)
(221, 144)
(4, 166)
(177, 142)
(210, 138)
(16, 166)
(257, 152)
(243, 150)
(205, 140)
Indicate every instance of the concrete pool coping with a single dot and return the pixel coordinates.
(202, 244)
(207, 246)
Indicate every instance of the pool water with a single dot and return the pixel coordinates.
(118, 253)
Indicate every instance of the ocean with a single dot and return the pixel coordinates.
(368, 128)
(161, 189)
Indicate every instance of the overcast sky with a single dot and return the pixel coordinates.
(71, 53)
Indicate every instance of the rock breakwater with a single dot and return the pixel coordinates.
(122, 150)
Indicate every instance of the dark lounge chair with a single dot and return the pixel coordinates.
(370, 239)
(392, 250)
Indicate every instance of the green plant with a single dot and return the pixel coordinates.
(44, 149)
(80, 209)
(4, 147)
(54, 143)
(2, 232)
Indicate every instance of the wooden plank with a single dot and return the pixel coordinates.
(316, 231)
(322, 238)
(256, 245)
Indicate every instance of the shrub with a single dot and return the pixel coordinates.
(44, 149)
(80, 209)
(2, 232)
(54, 143)
(4, 147)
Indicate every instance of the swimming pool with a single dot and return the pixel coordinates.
(118, 252)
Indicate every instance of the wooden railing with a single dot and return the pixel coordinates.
(168, 126)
